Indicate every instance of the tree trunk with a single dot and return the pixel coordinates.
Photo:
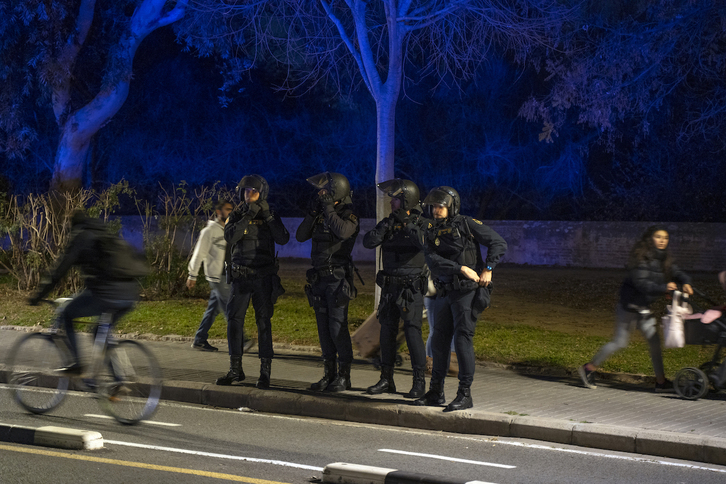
(80, 126)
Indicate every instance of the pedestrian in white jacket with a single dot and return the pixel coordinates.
(210, 251)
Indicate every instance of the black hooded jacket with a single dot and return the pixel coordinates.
(647, 282)
(82, 250)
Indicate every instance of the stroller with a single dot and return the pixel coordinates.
(706, 327)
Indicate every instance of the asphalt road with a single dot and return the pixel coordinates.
(187, 443)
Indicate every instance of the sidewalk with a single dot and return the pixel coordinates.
(630, 418)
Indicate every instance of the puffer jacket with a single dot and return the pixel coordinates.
(647, 282)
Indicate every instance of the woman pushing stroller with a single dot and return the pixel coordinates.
(651, 274)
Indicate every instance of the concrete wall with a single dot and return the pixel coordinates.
(696, 246)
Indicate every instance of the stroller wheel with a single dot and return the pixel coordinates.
(691, 383)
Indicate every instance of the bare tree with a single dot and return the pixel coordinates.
(349, 43)
(42, 43)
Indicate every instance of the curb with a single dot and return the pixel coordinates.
(343, 473)
(344, 407)
(711, 450)
(58, 437)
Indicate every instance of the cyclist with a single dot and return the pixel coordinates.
(104, 291)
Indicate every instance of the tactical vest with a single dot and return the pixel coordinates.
(400, 255)
(257, 247)
(329, 249)
(453, 240)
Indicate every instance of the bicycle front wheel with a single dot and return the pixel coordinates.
(129, 385)
(35, 382)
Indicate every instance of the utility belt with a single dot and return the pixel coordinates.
(346, 290)
(417, 283)
(457, 283)
(240, 272)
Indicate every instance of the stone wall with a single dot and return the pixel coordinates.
(696, 246)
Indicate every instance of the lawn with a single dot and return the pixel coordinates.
(541, 316)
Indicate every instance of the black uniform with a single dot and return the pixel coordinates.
(252, 234)
(451, 244)
(330, 281)
(403, 283)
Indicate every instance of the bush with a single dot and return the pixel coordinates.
(36, 228)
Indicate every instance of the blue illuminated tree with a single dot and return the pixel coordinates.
(55, 54)
(352, 43)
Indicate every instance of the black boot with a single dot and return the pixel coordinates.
(235, 372)
(342, 381)
(419, 385)
(385, 384)
(329, 376)
(433, 397)
(462, 401)
(265, 367)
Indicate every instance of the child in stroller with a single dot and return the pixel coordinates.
(706, 327)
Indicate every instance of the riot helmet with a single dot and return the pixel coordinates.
(253, 181)
(336, 184)
(404, 190)
(444, 197)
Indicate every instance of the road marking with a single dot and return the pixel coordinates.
(149, 422)
(450, 459)
(140, 465)
(653, 460)
(218, 456)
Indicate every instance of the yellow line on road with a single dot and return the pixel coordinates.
(140, 465)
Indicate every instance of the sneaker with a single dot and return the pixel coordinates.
(665, 387)
(247, 345)
(587, 376)
(71, 369)
(204, 347)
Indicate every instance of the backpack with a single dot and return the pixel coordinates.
(117, 259)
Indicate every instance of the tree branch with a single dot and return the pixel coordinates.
(361, 30)
(348, 42)
(61, 96)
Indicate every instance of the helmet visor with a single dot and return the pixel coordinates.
(319, 181)
(439, 198)
(392, 188)
(250, 182)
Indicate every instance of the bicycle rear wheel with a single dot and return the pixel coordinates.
(129, 384)
(35, 382)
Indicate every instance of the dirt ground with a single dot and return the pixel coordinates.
(570, 300)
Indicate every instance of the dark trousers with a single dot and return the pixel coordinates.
(332, 319)
(454, 319)
(389, 314)
(85, 305)
(259, 291)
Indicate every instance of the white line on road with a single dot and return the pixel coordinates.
(609, 456)
(150, 422)
(218, 456)
(450, 459)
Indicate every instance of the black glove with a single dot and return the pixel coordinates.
(400, 216)
(314, 207)
(264, 208)
(34, 300)
(253, 209)
(325, 199)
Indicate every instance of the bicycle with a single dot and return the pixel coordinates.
(124, 374)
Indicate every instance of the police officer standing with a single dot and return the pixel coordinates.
(333, 228)
(252, 232)
(463, 283)
(402, 281)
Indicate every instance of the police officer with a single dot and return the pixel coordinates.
(333, 228)
(463, 283)
(252, 231)
(402, 281)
